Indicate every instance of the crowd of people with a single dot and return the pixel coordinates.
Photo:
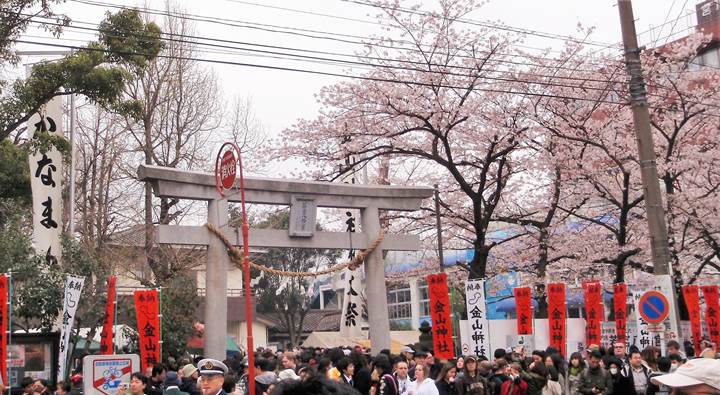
(352, 371)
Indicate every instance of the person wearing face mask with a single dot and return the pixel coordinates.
(664, 365)
(675, 361)
(621, 385)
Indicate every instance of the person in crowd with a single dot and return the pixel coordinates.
(595, 380)
(471, 382)
(314, 384)
(189, 379)
(675, 361)
(432, 363)
(418, 358)
(620, 351)
(423, 385)
(230, 384)
(638, 372)
(347, 370)
(138, 385)
(445, 380)
(264, 375)
(536, 377)
(76, 384)
(538, 356)
(650, 355)
(499, 354)
(553, 386)
(155, 386)
(385, 383)
(323, 366)
(62, 388)
(288, 374)
(485, 369)
(515, 384)
(361, 378)
(663, 364)
(620, 384)
(673, 347)
(575, 367)
(556, 361)
(212, 376)
(500, 375)
(42, 387)
(28, 385)
(696, 377)
(408, 354)
(171, 384)
(459, 365)
(401, 377)
(289, 361)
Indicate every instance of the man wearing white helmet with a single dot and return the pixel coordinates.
(699, 376)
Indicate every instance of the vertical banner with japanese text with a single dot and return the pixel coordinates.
(107, 346)
(4, 296)
(692, 301)
(557, 317)
(440, 316)
(620, 311)
(523, 305)
(147, 312)
(712, 311)
(477, 318)
(46, 182)
(73, 289)
(350, 325)
(594, 312)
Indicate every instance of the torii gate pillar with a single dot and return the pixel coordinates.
(218, 262)
(379, 325)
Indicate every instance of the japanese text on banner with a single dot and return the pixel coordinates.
(147, 311)
(692, 301)
(477, 318)
(620, 311)
(350, 325)
(712, 311)
(440, 316)
(73, 289)
(523, 303)
(106, 336)
(594, 312)
(557, 317)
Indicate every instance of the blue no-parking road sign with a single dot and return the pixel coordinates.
(653, 307)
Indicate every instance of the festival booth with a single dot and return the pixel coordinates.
(398, 339)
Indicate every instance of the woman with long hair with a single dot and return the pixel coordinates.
(556, 361)
(423, 385)
(445, 381)
(575, 368)
(471, 382)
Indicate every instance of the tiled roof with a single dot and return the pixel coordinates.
(315, 320)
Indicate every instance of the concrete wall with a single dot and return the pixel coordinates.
(260, 335)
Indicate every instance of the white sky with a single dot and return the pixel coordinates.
(280, 97)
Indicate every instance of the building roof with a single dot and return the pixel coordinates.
(315, 320)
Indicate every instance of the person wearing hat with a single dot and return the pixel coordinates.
(212, 376)
(172, 384)
(472, 382)
(189, 379)
(407, 352)
(700, 376)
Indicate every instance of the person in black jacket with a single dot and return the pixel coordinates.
(445, 381)
(471, 382)
(386, 384)
(361, 378)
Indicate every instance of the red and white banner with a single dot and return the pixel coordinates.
(712, 311)
(147, 311)
(4, 294)
(692, 302)
(557, 317)
(440, 316)
(594, 312)
(620, 311)
(523, 307)
(106, 336)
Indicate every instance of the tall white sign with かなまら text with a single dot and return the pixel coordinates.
(477, 318)
(46, 183)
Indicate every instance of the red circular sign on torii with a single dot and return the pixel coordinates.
(226, 164)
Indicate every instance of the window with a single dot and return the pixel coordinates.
(399, 306)
(424, 299)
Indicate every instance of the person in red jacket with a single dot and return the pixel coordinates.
(515, 385)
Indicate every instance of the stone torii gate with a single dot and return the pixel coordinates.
(303, 197)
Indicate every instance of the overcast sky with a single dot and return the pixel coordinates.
(280, 97)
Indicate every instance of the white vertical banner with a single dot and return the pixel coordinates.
(351, 318)
(46, 183)
(73, 289)
(479, 335)
(665, 286)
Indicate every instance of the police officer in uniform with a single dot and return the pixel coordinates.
(212, 375)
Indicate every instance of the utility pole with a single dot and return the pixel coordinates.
(438, 225)
(646, 153)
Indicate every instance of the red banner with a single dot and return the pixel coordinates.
(593, 312)
(4, 293)
(620, 311)
(523, 307)
(147, 310)
(106, 336)
(557, 316)
(440, 316)
(712, 311)
(692, 301)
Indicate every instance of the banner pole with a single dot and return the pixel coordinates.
(160, 315)
(115, 322)
(9, 318)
